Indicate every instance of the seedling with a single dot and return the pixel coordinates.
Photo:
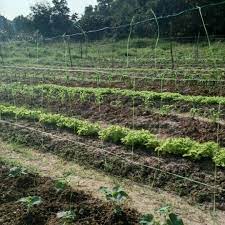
(147, 219)
(148, 103)
(214, 115)
(30, 201)
(165, 210)
(165, 110)
(98, 98)
(170, 219)
(67, 216)
(17, 172)
(62, 183)
(117, 196)
(194, 112)
(116, 103)
(83, 96)
(173, 219)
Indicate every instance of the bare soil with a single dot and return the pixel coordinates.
(191, 180)
(143, 198)
(88, 209)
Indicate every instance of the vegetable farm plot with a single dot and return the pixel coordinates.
(160, 127)
(41, 200)
(184, 81)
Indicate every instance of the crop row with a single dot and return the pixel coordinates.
(120, 135)
(62, 93)
(116, 74)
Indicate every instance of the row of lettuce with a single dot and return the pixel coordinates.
(61, 93)
(134, 139)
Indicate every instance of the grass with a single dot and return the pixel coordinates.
(109, 53)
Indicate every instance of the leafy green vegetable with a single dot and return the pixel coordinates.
(179, 146)
(219, 157)
(117, 196)
(113, 133)
(61, 93)
(147, 219)
(30, 201)
(204, 150)
(61, 184)
(17, 171)
(174, 220)
(117, 134)
(140, 138)
(67, 216)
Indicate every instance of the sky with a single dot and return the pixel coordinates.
(13, 8)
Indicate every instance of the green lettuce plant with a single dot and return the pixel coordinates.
(140, 138)
(113, 133)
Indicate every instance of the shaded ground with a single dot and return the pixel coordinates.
(88, 210)
(143, 198)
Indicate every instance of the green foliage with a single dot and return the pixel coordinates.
(219, 157)
(52, 19)
(179, 146)
(189, 148)
(80, 127)
(116, 134)
(140, 138)
(109, 12)
(63, 93)
(56, 19)
(214, 115)
(204, 150)
(165, 210)
(170, 219)
(147, 219)
(30, 201)
(194, 112)
(174, 220)
(87, 129)
(67, 216)
(17, 171)
(165, 109)
(117, 196)
(61, 184)
(113, 133)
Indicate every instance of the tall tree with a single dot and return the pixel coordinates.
(6, 30)
(61, 22)
(22, 24)
(41, 18)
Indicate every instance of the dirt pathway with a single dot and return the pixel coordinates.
(143, 198)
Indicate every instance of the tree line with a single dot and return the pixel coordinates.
(56, 18)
